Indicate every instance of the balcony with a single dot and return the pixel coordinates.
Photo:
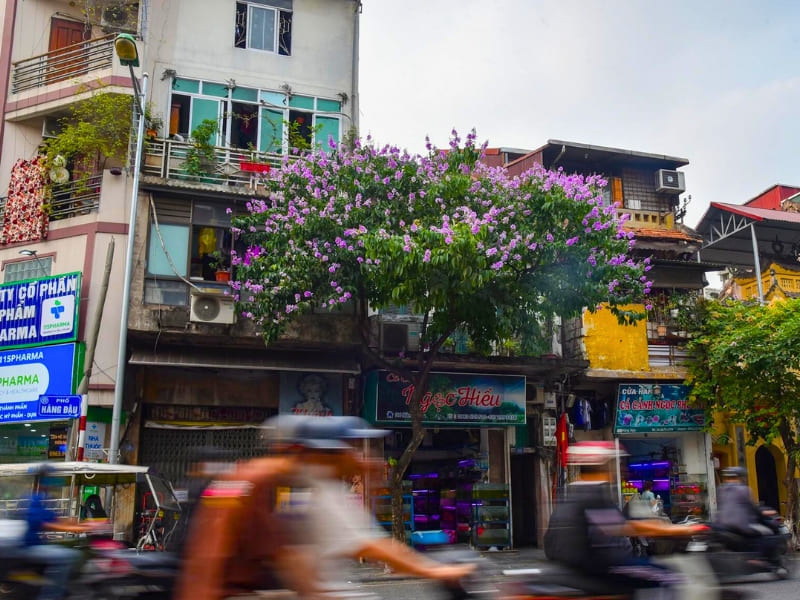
(70, 199)
(648, 219)
(66, 64)
(227, 169)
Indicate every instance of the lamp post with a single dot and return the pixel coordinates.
(34, 254)
(128, 54)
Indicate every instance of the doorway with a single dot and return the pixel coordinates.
(523, 499)
(63, 34)
(767, 475)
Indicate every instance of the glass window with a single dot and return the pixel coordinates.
(263, 28)
(28, 269)
(199, 251)
(164, 291)
(328, 105)
(175, 239)
(190, 86)
(328, 127)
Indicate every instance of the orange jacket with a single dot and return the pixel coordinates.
(234, 535)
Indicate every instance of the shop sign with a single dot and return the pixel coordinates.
(452, 398)
(41, 311)
(58, 442)
(95, 441)
(647, 407)
(28, 377)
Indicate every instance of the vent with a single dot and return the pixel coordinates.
(119, 15)
(211, 307)
(670, 182)
(174, 210)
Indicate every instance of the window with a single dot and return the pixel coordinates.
(253, 119)
(192, 241)
(268, 28)
(28, 269)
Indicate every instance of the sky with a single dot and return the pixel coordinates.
(714, 81)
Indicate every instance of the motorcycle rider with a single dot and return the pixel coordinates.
(589, 533)
(280, 521)
(738, 512)
(60, 561)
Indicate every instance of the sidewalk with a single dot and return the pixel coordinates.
(493, 562)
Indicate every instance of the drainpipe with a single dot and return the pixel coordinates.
(354, 99)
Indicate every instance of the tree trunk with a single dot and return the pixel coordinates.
(790, 443)
(417, 435)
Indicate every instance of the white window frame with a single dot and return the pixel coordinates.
(276, 23)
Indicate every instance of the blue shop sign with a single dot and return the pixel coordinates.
(646, 407)
(40, 311)
(34, 381)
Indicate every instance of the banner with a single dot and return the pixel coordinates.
(35, 381)
(452, 399)
(647, 407)
(41, 311)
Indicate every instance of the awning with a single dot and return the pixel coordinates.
(227, 358)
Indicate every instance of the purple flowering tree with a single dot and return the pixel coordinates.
(462, 244)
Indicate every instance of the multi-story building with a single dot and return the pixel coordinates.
(257, 75)
(759, 243)
(633, 387)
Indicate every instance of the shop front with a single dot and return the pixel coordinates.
(459, 480)
(668, 449)
(40, 367)
(193, 400)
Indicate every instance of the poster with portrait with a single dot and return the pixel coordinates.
(310, 393)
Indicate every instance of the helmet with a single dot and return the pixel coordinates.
(733, 472)
(593, 453)
(320, 433)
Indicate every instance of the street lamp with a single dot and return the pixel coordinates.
(26, 252)
(128, 54)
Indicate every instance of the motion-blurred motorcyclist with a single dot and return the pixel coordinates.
(738, 512)
(588, 533)
(60, 561)
(280, 521)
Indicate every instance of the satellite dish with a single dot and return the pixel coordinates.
(59, 175)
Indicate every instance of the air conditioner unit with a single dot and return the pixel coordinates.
(51, 127)
(119, 15)
(394, 337)
(670, 182)
(211, 307)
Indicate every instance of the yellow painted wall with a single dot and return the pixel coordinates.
(788, 280)
(727, 454)
(610, 345)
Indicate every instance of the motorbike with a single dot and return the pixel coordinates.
(733, 555)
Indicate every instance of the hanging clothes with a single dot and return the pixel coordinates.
(585, 408)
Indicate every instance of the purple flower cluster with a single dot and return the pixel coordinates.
(376, 217)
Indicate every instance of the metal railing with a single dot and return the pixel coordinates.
(182, 161)
(63, 64)
(70, 199)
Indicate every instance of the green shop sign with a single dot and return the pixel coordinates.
(452, 399)
(649, 407)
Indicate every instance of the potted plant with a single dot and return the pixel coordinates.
(153, 122)
(221, 264)
(200, 155)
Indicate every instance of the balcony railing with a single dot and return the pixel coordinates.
(70, 199)
(171, 159)
(63, 64)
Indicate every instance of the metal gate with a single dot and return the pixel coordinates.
(170, 451)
